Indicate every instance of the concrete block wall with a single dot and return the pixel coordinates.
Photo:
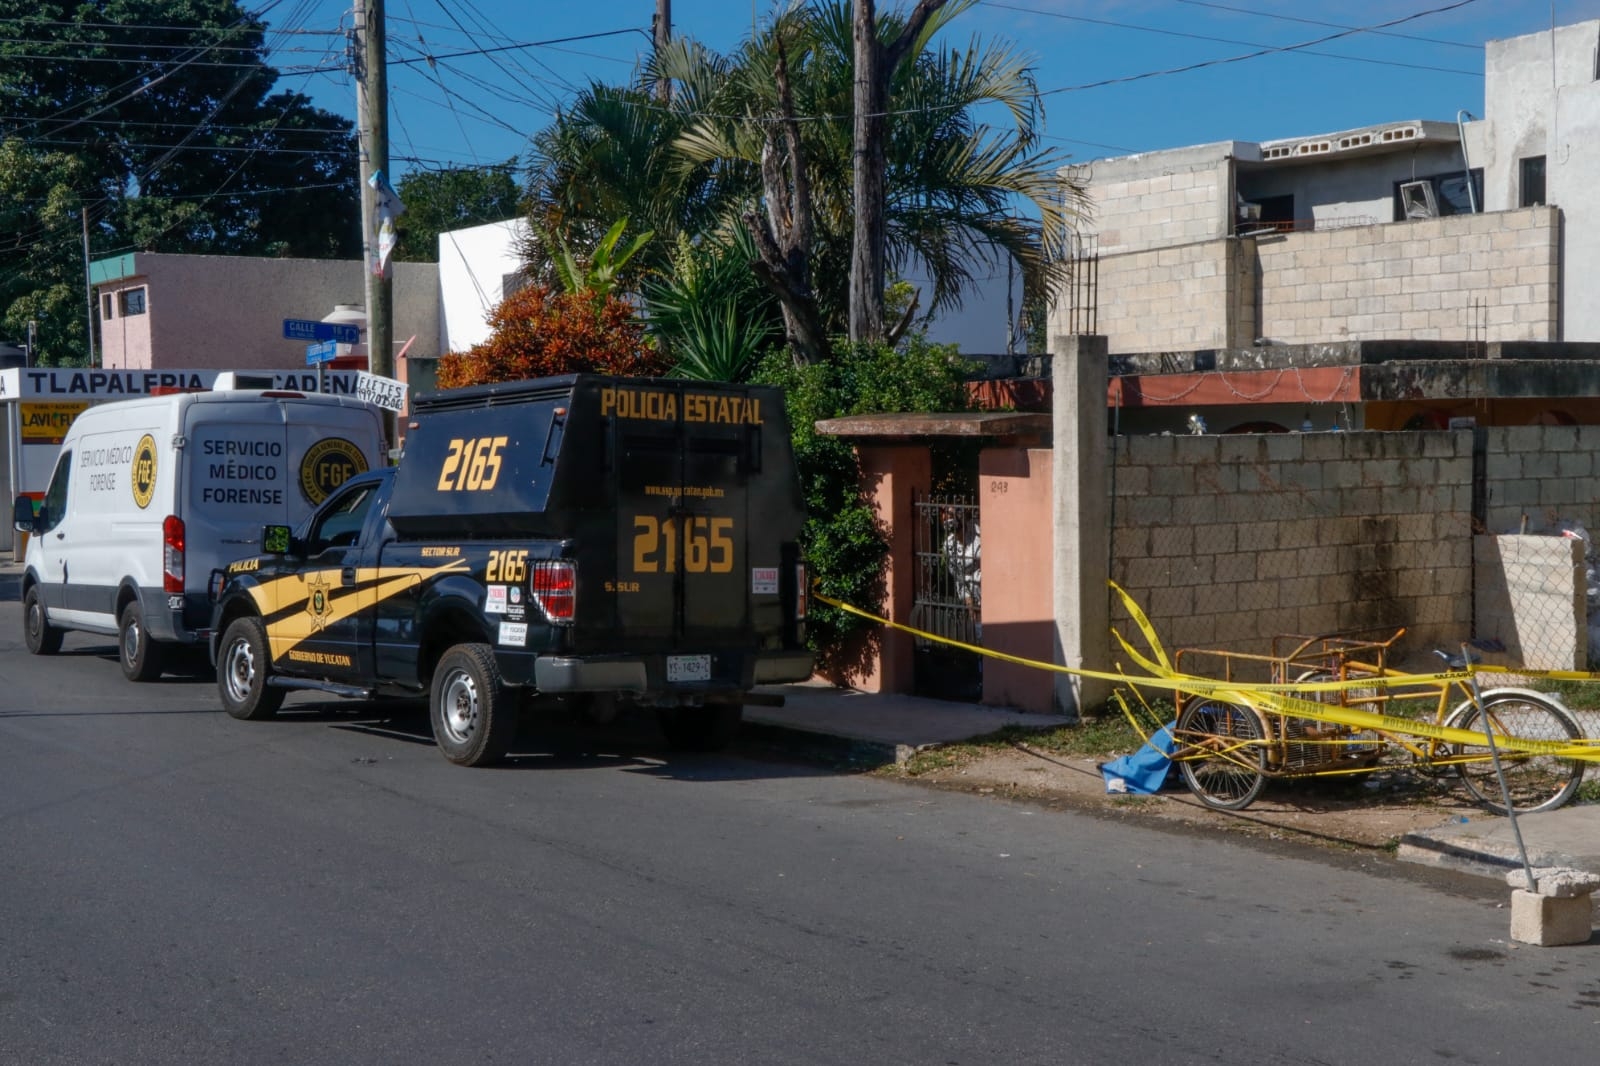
(1171, 299)
(1548, 473)
(1415, 280)
(1531, 597)
(1229, 541)
(1185, 203)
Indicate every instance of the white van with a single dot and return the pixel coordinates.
(150, 495)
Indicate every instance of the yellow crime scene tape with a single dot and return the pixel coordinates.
(1276, 699)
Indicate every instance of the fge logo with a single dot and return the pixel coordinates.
(327, 465)
(144, 471)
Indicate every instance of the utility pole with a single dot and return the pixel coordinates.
(372, 108)
(662, 27)
(88, 284)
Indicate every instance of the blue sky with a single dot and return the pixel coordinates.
(481, 109)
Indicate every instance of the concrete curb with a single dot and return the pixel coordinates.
(854, 750)
(1484, 858)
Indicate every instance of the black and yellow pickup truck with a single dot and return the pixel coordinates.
(571, 539)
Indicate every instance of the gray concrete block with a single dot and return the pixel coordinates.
(1549, 921)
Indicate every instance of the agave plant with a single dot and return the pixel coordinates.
(708, 312)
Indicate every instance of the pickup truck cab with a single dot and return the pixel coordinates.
(605, 538)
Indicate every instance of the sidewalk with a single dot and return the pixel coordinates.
(885, 727)
(1486, 844)
(890, 727)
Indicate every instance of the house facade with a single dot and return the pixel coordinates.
(170, 312)
(1272, 273)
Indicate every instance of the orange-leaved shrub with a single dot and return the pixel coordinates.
(538, 333)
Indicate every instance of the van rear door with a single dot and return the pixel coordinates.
(254, 462)
(683, 520)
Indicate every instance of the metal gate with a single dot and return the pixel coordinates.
(947, 594)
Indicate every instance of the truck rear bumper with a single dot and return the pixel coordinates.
(552, 673)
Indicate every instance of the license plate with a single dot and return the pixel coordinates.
(688, 668)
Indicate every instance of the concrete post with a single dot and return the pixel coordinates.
(1079, 372)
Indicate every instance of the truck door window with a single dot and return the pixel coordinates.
(340, 524)
(53, 508)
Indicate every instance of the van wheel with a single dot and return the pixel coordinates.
(243, 666)
(710, 728)
(42, 638)
(141, 656)
(474, 718)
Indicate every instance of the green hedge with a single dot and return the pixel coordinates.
(843, 545)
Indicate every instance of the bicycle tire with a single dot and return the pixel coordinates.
(1222, 757)
(1535, 782)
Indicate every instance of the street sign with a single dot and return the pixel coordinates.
(321, 352)
(385, 392)
(305, 329)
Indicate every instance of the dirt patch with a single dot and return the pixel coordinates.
(1369, 814)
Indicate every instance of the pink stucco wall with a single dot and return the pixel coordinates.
(124, 339)
(890, 475)
(211, 311)
(1015, 512)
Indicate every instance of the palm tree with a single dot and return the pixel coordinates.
(761, 140)
(612, 155)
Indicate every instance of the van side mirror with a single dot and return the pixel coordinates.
(275, 540)
(22, 515)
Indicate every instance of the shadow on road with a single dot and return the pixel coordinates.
(570, 742)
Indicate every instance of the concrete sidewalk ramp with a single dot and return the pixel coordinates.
(1485, 844)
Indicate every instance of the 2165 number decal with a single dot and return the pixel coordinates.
(472, 464)
(707, 544)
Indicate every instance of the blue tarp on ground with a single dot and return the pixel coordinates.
(1145, 771)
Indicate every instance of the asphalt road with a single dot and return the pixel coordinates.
(178, 887)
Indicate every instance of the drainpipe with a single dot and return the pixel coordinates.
(1461, 135)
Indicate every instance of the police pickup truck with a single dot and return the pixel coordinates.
(575, 539)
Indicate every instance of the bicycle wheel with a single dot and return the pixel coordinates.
(1535, 782)
(1221, 754)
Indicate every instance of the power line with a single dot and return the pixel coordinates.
(1304, 49)
(28, 21)
(1332, 25)
(103, 45)
(515, 47)
(1258, 53)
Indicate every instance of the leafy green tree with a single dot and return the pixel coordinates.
(41, 255)
(441, 200)
(844, 549)
(178, 140)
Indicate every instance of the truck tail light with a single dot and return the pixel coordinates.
(800, 591)
(172, 554)
(554, 585)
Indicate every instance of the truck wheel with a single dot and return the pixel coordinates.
(474, 717)
(141, 656)
(242, 669)
(42, 638)
(709, 728)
